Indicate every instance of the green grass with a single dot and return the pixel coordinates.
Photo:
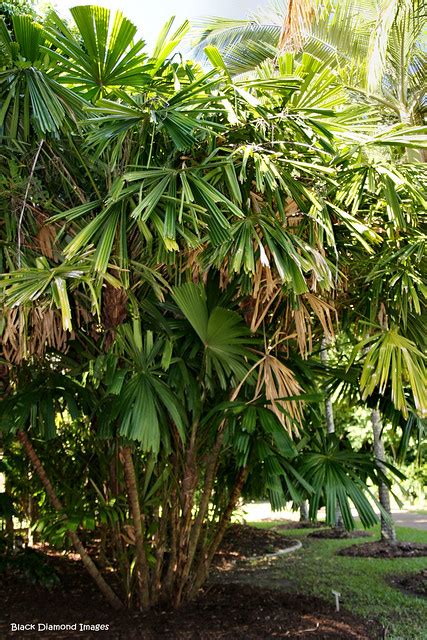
(362, 582)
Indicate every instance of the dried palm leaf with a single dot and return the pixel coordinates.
(45, 240)
(298, 17)
(29, 332)
(303, 321)
(278, 382)
(266, 294)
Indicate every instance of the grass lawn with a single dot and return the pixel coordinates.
(362, 582)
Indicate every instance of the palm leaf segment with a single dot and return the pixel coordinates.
(102, 57)
(394, 361)
(138, 397)
(337, 478)
(45, 285)
(222, 332)
(30, 94)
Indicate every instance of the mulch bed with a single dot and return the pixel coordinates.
(300, 524)
(222, 611)
(242, 542)
(415, 583)
(338, 534)
(231, 610)
(384, 550)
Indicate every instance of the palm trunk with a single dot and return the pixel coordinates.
(9, 526)
(303, 511)
(211, 468)
(4, 488)
(329, 411)
(298, 18)
(142, 570)
(30, 538)
(56, 503)
(189, 486)
(388, 530)
(160, 546)
(10, 534)
(206, 560)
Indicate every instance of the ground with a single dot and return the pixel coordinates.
(365, 584)
(285, 597)
(412, 583)
(377, 549)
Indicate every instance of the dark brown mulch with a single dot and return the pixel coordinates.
(242, 542)
(222, 611)
(415, 583)
(338, 534)
(300, 524)
(384, 550)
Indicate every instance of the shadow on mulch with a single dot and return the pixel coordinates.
(338, 534)
(222, 611)
(384, 550)
(412, 583)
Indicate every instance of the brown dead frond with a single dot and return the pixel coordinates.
(293, 213)
(265, 294)
(190, 262)
(298, 18)
(308, 304)
(29, 332)
(45, 240)
(303, 330)
(257, 201)
(114, 306)
(278, 382)
(324, 312)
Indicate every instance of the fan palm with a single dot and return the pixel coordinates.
(376, 48)
(272, 193)
(31, 95)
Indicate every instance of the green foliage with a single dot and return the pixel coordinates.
(32, 566)
(101, 56)
(221, 331)
(175, 243)
(338, 476)
(393, 359)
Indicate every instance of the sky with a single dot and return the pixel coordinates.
(150, 15)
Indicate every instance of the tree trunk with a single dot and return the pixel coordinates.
(303, 511)
(388, 530)
(186, 525)
(10, 529)
(329, 411)
(141, 567)
(211, 468)
(4, 489)
(30, 540)
(209, 553)
(56, 503)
